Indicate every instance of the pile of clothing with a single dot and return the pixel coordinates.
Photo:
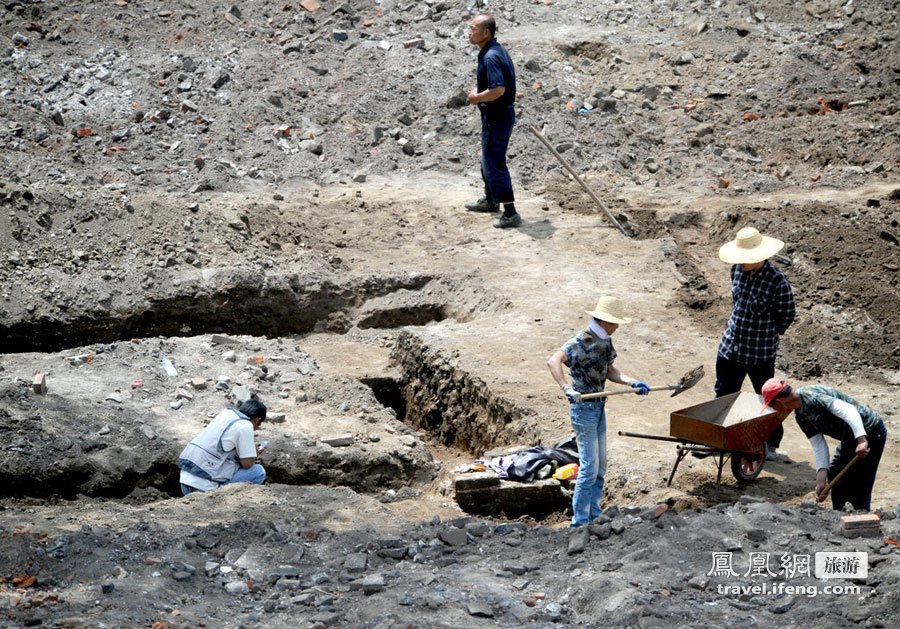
(535, 463)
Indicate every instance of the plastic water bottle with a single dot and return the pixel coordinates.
(566, 472)
(169, 367)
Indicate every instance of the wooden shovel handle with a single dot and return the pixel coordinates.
(840, 474)
(587, 188)
(594, 396)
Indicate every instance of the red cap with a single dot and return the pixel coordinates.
(770, 391)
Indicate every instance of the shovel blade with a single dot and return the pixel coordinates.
(688, 380)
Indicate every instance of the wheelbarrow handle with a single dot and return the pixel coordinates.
(594, 396)
(640, 435)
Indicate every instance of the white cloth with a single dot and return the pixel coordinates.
(239, 436)
(595, 327)
(820, 451)
(847, 412)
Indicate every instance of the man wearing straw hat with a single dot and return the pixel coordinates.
(821, 410)
(589, 356)
(763, 310)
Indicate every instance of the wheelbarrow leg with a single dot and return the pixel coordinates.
(681, 455)
(720, 464)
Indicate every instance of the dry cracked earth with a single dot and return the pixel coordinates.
(269, 195)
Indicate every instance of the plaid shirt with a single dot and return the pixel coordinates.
(763, 310)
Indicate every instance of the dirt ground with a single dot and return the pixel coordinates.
(294, 176)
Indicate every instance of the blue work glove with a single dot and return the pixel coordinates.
(642, 387)
(573, 395)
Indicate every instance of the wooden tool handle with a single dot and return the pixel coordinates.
(594, 396)
(580, 181)
(840, 474)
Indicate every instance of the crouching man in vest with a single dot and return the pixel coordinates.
(224, 452)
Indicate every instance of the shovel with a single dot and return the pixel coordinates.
(687, 381)
(834, 481)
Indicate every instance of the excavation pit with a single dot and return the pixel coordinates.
(112, 419)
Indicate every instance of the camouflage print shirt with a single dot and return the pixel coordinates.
(814, 418)
(589, 358)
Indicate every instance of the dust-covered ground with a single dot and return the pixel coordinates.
(270, 196)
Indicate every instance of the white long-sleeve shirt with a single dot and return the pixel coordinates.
(850, 415)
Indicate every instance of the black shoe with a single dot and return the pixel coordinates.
(483, 205)
(508, 221)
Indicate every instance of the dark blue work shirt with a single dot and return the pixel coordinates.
(495, 69)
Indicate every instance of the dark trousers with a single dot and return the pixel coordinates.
(496, 128)
(730, 376)
(855, 486)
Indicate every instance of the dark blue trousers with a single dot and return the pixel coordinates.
(856, 485)
(496, 128)
(730, 376)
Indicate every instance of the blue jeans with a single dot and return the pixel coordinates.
(255, 474)
(496, 129)
(589, 423)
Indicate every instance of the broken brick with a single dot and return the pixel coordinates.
(338, 441)
(40, 383)
(310, 5)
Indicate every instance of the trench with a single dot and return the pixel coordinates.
(161, 478)
(462, 413)
(389, 393)
(243, 303)
(431, 396)
(37, 467)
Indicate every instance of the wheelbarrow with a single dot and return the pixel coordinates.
(727, 428)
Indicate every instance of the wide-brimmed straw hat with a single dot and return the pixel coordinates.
(610, 309)
(749, 247)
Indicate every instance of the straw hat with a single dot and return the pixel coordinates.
(610, 309)
(749, 247)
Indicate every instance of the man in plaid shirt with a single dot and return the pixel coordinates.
(763, 310)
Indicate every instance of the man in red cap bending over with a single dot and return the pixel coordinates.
(820, 411)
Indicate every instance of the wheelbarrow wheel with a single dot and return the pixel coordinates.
(746, 466)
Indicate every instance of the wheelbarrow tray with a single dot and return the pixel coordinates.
(732, 422)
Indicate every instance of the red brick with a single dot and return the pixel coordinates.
(867, 520)
(40, 383)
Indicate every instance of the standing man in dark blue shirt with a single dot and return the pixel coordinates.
(495, 97)
(763, 310)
